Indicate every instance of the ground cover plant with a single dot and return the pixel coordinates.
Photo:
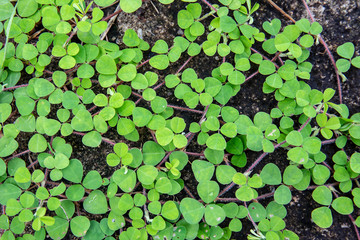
(60, 79)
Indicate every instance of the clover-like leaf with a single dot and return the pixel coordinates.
(96, 203)
(346, 50)
(322, 217)
(192, 210)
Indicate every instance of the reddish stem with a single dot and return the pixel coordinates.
(15, 87)
(17, 155)
(32, 164)
(328, 141)
(185, 109)
(211, 6)
(195, 154)
(164, 159)
(111, 15)
(142, 64)
(188, 192)
(185, 63)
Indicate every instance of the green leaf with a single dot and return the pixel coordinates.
(163, 185)
(8, 191)
(254, 138)
(203, 170)
(82, 121)
(164, 136)
(13, 207)
(322, 217)
(224, 174)
(6, 10)
(343, 205)
(282, 195)
(67, 62)
(192, 210)
(147, 174)
(208, 190)
(271, 174)
(106, 65)
(75, 192)
(354, 131)
(131, 38)
(125, 126)
(214, 215)
(92, 180)
(5, 111)
(37, 143)
(227, 24)
(29, 52)
(170, 210)
(355, 162)
(294, 138)
(343, 65)
(346, 50)
(125, 179)
(79, 226)
(22, 175)
(216, 142)
(266, 67)
(7, 146)
(282, 43)
(153, 153)
(244, 193)
(160, 46)
(292, 175)
(92, 139)
(272, 27)
(184, 19)
(298, 155)
(96, 203)
(356, 62)
(312, 145)
(322, 195)
(160, 62)
(59, 229)
(74, 171)
(130, 6)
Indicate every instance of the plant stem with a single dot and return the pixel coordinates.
(182, 66)
(188, 192)
(328, 141)
(15, 87)
(17, 155)
(280, 10)
(195, 154)
(186, 109)
(261, 157)
(32, 164)
(142, 64)
(164, 159)
(211, 6)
